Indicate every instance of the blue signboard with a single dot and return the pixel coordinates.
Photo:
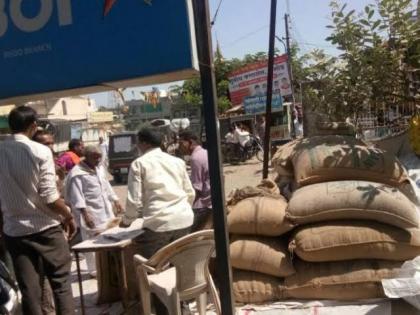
(257, 104)
(68, 45)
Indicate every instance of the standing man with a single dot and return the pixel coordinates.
(261, 128)
(104, 150)
(46, 138)
(91, 197)
(160, 192)
(33, 214)
(189, 145)
(71, 158)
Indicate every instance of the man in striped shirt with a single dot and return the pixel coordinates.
(33, 215)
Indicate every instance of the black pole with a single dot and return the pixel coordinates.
(269, 87)
(289, 69)
(208, 86)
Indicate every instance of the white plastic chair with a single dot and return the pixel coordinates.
(178, 272)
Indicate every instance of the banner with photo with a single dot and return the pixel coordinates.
(248, 85)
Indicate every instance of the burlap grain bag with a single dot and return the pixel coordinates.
(108, 268)
(267, 187)
(334, 128)
(345, 240)
(259, 216)
(261, 254)
(343, 200)
(334, 158)
(253, 287)
(346, 280)
(282, 159)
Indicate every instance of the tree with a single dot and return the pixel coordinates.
(372, 69)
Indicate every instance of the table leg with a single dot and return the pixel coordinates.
(79, 278)
(123, 282)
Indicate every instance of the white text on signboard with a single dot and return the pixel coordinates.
(36, 23)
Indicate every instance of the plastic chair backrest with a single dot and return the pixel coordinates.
(190, 256)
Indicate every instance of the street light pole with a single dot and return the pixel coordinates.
(284, 44)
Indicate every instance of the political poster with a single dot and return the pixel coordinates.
(248, 85)
(64, 47)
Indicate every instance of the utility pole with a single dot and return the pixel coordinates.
(289, 68)
(269, 87)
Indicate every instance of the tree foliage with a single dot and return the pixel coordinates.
(379, 47)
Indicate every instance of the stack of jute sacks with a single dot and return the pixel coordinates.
(259, 256)
(352, 218)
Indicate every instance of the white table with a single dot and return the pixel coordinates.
(115, 239)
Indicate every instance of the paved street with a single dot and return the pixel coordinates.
(236, 176)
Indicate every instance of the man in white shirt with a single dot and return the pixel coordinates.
(33, 215)
(242, 136)
(104, 149)
(91, 196)
(160, 192)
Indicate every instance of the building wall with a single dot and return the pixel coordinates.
(67, 108)
(140, 112)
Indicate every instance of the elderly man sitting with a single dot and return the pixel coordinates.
(91, 196)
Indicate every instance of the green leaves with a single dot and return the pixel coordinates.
(376, 24)
(372, 68)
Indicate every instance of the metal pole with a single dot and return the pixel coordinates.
(208, 86)
(269, 87)
(289, 68)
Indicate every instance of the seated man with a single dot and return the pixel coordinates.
(243, 137)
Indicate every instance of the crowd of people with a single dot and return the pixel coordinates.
(46, 198)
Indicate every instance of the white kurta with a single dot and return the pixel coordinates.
(88, 189)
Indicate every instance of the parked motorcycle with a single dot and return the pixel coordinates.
(235, 153)
(255, 149)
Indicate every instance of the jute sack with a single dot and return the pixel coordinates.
(267, 187)
(253, 287)
(346, 280)
(107, 264)
(107, 275)
(334, 128)
(344, 200)
(261, 254)
(331, 159)
(282, 159)
(259, 216)
(344, 240)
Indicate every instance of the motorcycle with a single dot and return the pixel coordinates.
(234, 153)
(253, 148)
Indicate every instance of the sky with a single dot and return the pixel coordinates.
(242, 27)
